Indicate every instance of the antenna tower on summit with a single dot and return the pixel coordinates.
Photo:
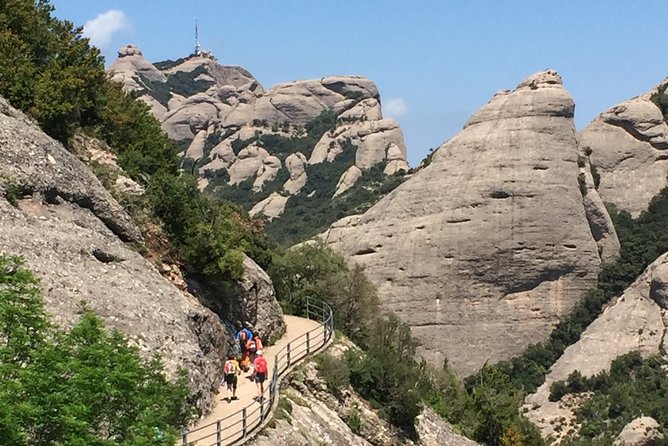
(197, 47)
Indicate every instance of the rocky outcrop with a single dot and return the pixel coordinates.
(485, 248)
(628, 145)
(310, 415)
(643, 431)
(433, 431)
(271, 207)
(600, 223)
(251, 300)
(67, 228)
(636, 321)
(39, 165)
(200, 101)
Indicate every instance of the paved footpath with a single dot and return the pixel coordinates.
(247, 389)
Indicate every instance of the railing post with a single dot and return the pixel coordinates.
(245, 424)
(184, 438)
(218, 433)
(262, 408)
(308, 342)
(308, 308)
(288, 355)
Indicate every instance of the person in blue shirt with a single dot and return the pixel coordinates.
(243, 336)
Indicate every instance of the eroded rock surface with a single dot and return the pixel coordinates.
(67, 228)
(643, 431)
(489, 245)
(634, 322)
(628, 146)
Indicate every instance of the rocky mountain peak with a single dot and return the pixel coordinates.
(491, 233)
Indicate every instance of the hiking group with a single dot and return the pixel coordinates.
(247, 357)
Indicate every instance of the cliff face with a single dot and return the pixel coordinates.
(234, 132)
(628, 148)
(71, 232)
(483, 250)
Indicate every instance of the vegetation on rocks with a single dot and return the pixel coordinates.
(386, 371)
(51, 73)
(632, 388)
(85, 385)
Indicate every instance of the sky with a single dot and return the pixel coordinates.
(434, 61)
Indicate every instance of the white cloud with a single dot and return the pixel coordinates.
(101, 29)
(395, 107)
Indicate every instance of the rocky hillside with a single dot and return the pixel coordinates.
(636, 321)
(312, 414)
(71, 232)
(627, 145)
(482, 251)
(286, 151)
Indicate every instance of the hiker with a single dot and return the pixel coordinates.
(260, 365)
(253, 345)
(243, 336)
(231, 370)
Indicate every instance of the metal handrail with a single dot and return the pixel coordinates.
(293, 352)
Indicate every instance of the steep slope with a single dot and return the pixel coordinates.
(310, 414)
(482, 251)
(628, 148)
(260, 148)
(70, 231)
(636, 321)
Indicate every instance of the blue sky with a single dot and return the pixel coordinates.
(435, 62)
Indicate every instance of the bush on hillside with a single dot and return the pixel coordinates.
(85, 385)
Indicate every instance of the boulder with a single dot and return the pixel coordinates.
(628, 145)
(295, 163)
(271, 207)
(634, 322)
(347, 180)
(132, 70)
(489, 245)
(268, 171)
(643, 431)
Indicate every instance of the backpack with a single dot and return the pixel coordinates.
(254, 345)
(260, 365)
(230, 367)
(243, 335)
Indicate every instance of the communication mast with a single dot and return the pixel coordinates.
(197, 47)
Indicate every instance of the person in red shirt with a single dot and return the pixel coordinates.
(260, 366)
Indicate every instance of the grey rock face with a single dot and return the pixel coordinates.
(483, 250)
(433, 431)
(78, 259)
(40, 165)
(628, 147)
(252, 300)
(600, 223)
(634, 322)
(643, 431)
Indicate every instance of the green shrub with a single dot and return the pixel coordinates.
(354, 421)
(82, 386)
(334, 371)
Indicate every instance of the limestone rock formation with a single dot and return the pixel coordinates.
(643, 431)
(636, 321)
(433, 431)
(485, 248)
(67, 228)
(216, 109)
(628, 147)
